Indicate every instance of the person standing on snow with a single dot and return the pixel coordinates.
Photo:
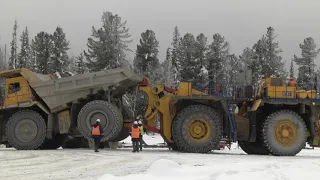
(96, 134)
(142, 130)
(135, 136)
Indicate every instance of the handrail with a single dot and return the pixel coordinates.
(298, 93)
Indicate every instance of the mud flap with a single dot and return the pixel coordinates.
(316, 141)
(50, 126)
(252, 115)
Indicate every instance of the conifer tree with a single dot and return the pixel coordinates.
(267, 55)
(306, 63)
(42, 47)
(80, 64)
(175, 47)
(187, 58)
(274, 64)
(60, 46)
(107, 45)
(14, 57)
(217, 58)
(169, 71)
(200, 53)
(2, 60)
(146, 59)
(291, 69)
(24, 58)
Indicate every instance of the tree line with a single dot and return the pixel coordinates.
(203, 61)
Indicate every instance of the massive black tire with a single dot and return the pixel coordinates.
(109, 114)
(76, 142)
(205, 134)
(26, 130)
(292, 138)
(125, 132)
(256, 148)
(57, 141)
(173, 146)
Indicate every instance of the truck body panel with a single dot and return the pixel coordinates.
(56, 93)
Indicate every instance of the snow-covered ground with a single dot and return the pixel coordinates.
(155, 164)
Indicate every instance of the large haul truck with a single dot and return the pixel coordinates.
(40, 111)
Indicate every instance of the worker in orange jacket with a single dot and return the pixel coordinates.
(135, 136)
(291, 82)
(96, 134)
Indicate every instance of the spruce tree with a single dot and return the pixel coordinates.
(189, 69)
(24, 58)
(291, 70)
(274, 64)
(33, 56)
(60, 59)
(217, 58)
(2, 80)
(169, 71)
(175, 47)
(257, 63)
(80, 65)
(200, 53)
(235, 67)
(306, 63)
(14, 57)
(108, 44)
(146, 59)
(267, 55)
(2, 60)
(42, 48)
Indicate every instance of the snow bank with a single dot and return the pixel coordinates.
(160, 169)
(246, 169)
(149, 139)
(170, 170)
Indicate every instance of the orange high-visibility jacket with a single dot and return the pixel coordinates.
(292, 83)
(96, 130)
(135, 132)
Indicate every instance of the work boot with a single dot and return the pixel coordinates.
(96, 148)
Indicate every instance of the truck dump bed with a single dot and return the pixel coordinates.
(58, 92)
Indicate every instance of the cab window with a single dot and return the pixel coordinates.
(276, 82)
(14, 87)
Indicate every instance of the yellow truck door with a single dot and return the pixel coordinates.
(17, 90)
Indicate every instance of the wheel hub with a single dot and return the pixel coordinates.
(199, 130)
(26, 130)
(286, 132)
(97, 114)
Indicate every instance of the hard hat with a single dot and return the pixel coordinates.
(140, 122)
(135, 122)
(98, 120)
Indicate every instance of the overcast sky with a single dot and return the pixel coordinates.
(241, 22)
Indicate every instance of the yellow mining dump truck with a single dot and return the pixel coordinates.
(39, 111)
(276, 119)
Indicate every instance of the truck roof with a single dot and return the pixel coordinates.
(31, 76)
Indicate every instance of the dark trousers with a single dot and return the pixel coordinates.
(135, 144)
(141, 142)
(96, 143)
